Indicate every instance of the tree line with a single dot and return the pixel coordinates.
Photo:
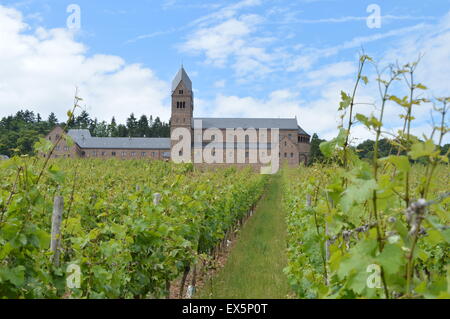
(364, 149)
(19, 132)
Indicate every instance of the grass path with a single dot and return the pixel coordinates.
(254, 268)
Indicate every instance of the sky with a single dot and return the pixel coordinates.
(246, 58)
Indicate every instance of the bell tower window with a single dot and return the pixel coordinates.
(180, 91)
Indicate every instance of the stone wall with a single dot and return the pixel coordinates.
(156, 154)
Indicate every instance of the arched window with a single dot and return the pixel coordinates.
(303, 159)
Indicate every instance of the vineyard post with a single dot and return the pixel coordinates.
(168, 289)
(194, 277)
(58, 207)
(327, 244)
(323, 252)
(156, 200)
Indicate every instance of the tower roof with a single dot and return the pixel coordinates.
(181, 77)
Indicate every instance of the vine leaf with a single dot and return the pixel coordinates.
(391, 259)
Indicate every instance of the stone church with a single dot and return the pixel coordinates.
(294, 142)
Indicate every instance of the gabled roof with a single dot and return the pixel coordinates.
(223, 123)
(182, 77)
(79, 134)
(302, 131)
(84, 139)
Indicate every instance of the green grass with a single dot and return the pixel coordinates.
(254, 268)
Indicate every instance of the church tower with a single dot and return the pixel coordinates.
(182, 101)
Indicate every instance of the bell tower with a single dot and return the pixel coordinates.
(182, 101)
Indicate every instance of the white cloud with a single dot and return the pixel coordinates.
(318, 77)
(319, 116)
(302, 63)
(434, 44)
(226, 40)
(220, 41)
(226, 37)
(310, 56)
(225, 12)
(41, 68)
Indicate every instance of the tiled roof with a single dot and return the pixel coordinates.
(78, 134)
(221, 123)
(84, 139)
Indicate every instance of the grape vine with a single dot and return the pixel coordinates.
(379, 228)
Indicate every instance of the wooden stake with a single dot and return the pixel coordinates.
(327, 246)
(183, 281)
(58, 208)
(168, 289)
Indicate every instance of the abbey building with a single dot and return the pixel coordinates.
(293, 147)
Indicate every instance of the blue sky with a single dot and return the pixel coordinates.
(254, 58)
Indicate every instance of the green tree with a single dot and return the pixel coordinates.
(52, 120)
(142, 127)
(101, 129)
(83, 121)
(113, 132)
(122, 130)
(132, 125)
(315, 153)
